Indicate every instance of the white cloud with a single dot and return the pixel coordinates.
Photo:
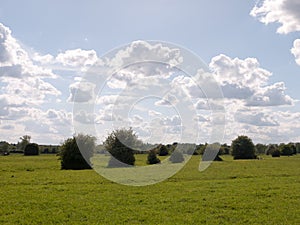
(142, 51)
(296, 51)
(241, 73)
(84, 117)
(246, 80)
(272, 95)
(203, 104)
(168, 100)
(81, 92)
(255, 118)
(285, 12)
(154, 113)
(171, 121)
(77, 58)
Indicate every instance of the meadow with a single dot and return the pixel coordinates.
(34, 190)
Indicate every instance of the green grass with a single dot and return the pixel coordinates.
(34, 190)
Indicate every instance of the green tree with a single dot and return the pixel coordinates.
(76, 152)
(286, 149)
(163, 150)
(243, 148)
(4, 148)
(276, 153)
(32, 149)
(120, 144)
(152, 158)
(271, 149)
(25, 140)
(260, 148)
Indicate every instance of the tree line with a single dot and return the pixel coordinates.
(123, 145)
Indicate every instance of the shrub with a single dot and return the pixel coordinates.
(4, 148)
(71, 156)
(286, 149)
(270, 149)
(152, 158)
(32, 149)
(276, 153)
(163, 151)
(120, 144)
(243, 148)
(176, 157)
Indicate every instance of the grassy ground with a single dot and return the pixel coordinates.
(34, 190)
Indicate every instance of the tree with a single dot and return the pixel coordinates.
(276, 153)
(152, 158)
(163, 151)
(25, 140)
(77, 152)
(260, 148)
(286, 149)
(243, 148)
(120, 144)
(4, 148)
(176, 157)
(271, 149)
(32, 149)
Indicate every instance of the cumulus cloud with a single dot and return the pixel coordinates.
(246, 80)
(168, 100)
(296, 51)
(272, 95)
(81, 92)
(203, 104)
(238, 72)
(255, 118)
(77, 58)
(285, 12)
(142, 51)
(84, 117)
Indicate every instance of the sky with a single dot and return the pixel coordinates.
(251, 48)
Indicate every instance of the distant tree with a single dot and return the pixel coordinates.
(225, 149)
(286, 149)
(25, 140)
(243, 148)
(271, 148)
(260, 148)
(120, 144)
(71, 155)
(152, 158)
(32, 149)
(4, 148)
(163, 151)
(276, 153)
(176, 157)
(297, 147)
(293, 147)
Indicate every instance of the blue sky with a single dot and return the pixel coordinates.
(208, 28)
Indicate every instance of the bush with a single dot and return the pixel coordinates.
(4, 148)
(120, 144)
(286, 149)
(71, 156)
(243, 148)
(32, 149)
(270, 149)
(176, 157)
(152, 158)
(276, 153)
(163, 151)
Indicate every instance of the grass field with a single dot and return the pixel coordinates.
(34, 190)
